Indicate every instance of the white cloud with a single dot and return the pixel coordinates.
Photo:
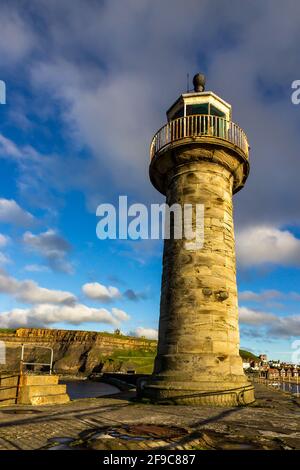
(51, 246)
(4, 259)
(46, 314)
(267, 245)
(253, 317)
(8, 148)
(268, 296)
(11, 212)
(28, 291)
(17, 40)
(149, 333)
(286, 327)
(272, 326)
(4, 240)
(96, 291)
(50, 306)
(120, 314)
(134, 296)
(263, 296)
(123, 71)
(36, 268)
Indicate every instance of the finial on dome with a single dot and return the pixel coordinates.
(199, 82)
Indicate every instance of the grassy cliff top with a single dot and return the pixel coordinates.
(9, 331)
(248, 355)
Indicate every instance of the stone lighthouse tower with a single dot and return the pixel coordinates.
(200, 157)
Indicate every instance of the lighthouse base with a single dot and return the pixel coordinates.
(162, 391)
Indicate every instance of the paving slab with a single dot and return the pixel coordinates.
(120, 422)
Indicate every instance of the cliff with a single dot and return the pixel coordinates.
(79, 352)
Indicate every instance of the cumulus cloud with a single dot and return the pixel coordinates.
(36, 268)
(28, 291)
(267, 245)
(150, 333)
(262, 296)
(96, 291)
(4, 240)
(12, 213)
(122, 71)
(50, 306)
(17, 38)
(8, 148)
(120, 314)
(286, 327)
(130, 294)
(268, 295)
(47, 314)
(4, 259)
(271, 326)
(254, 317)
(131, 75)
(51, 246)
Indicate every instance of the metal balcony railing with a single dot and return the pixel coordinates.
(199, 125)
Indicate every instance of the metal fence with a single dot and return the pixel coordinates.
(199, 125)
(47, 364)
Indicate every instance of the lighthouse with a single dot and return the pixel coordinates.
(200, 156)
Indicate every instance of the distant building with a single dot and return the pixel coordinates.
(254, 365)
(276, 364)
(282, 372)
(263, 358)
(246, 365)
(273, 373)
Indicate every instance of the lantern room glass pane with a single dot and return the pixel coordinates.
(197, 109)
(178, 114)
(216, 112)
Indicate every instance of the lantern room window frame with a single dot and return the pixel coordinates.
(216, 106)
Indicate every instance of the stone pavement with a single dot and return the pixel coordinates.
(118, 422)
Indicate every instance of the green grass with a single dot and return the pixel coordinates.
(248, 355)
(121, 336)
(7, 331)
(141, 361)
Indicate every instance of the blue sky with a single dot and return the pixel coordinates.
(88, 84)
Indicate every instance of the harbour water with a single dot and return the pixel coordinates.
(286, 386)
(289, 387)
(88, 389)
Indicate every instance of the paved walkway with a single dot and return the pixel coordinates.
(115, 422)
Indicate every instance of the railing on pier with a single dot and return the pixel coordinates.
(290, 385)
(47, 364)
(199, 125)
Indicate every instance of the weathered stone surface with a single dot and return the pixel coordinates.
(31, 390)
(198, 350)
(271, 423)
(74, 351)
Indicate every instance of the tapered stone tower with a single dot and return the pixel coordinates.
(200, 157)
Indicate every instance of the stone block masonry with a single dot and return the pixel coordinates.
(199, 159)
(75, 352)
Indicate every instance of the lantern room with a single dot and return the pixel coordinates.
(199, 102)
